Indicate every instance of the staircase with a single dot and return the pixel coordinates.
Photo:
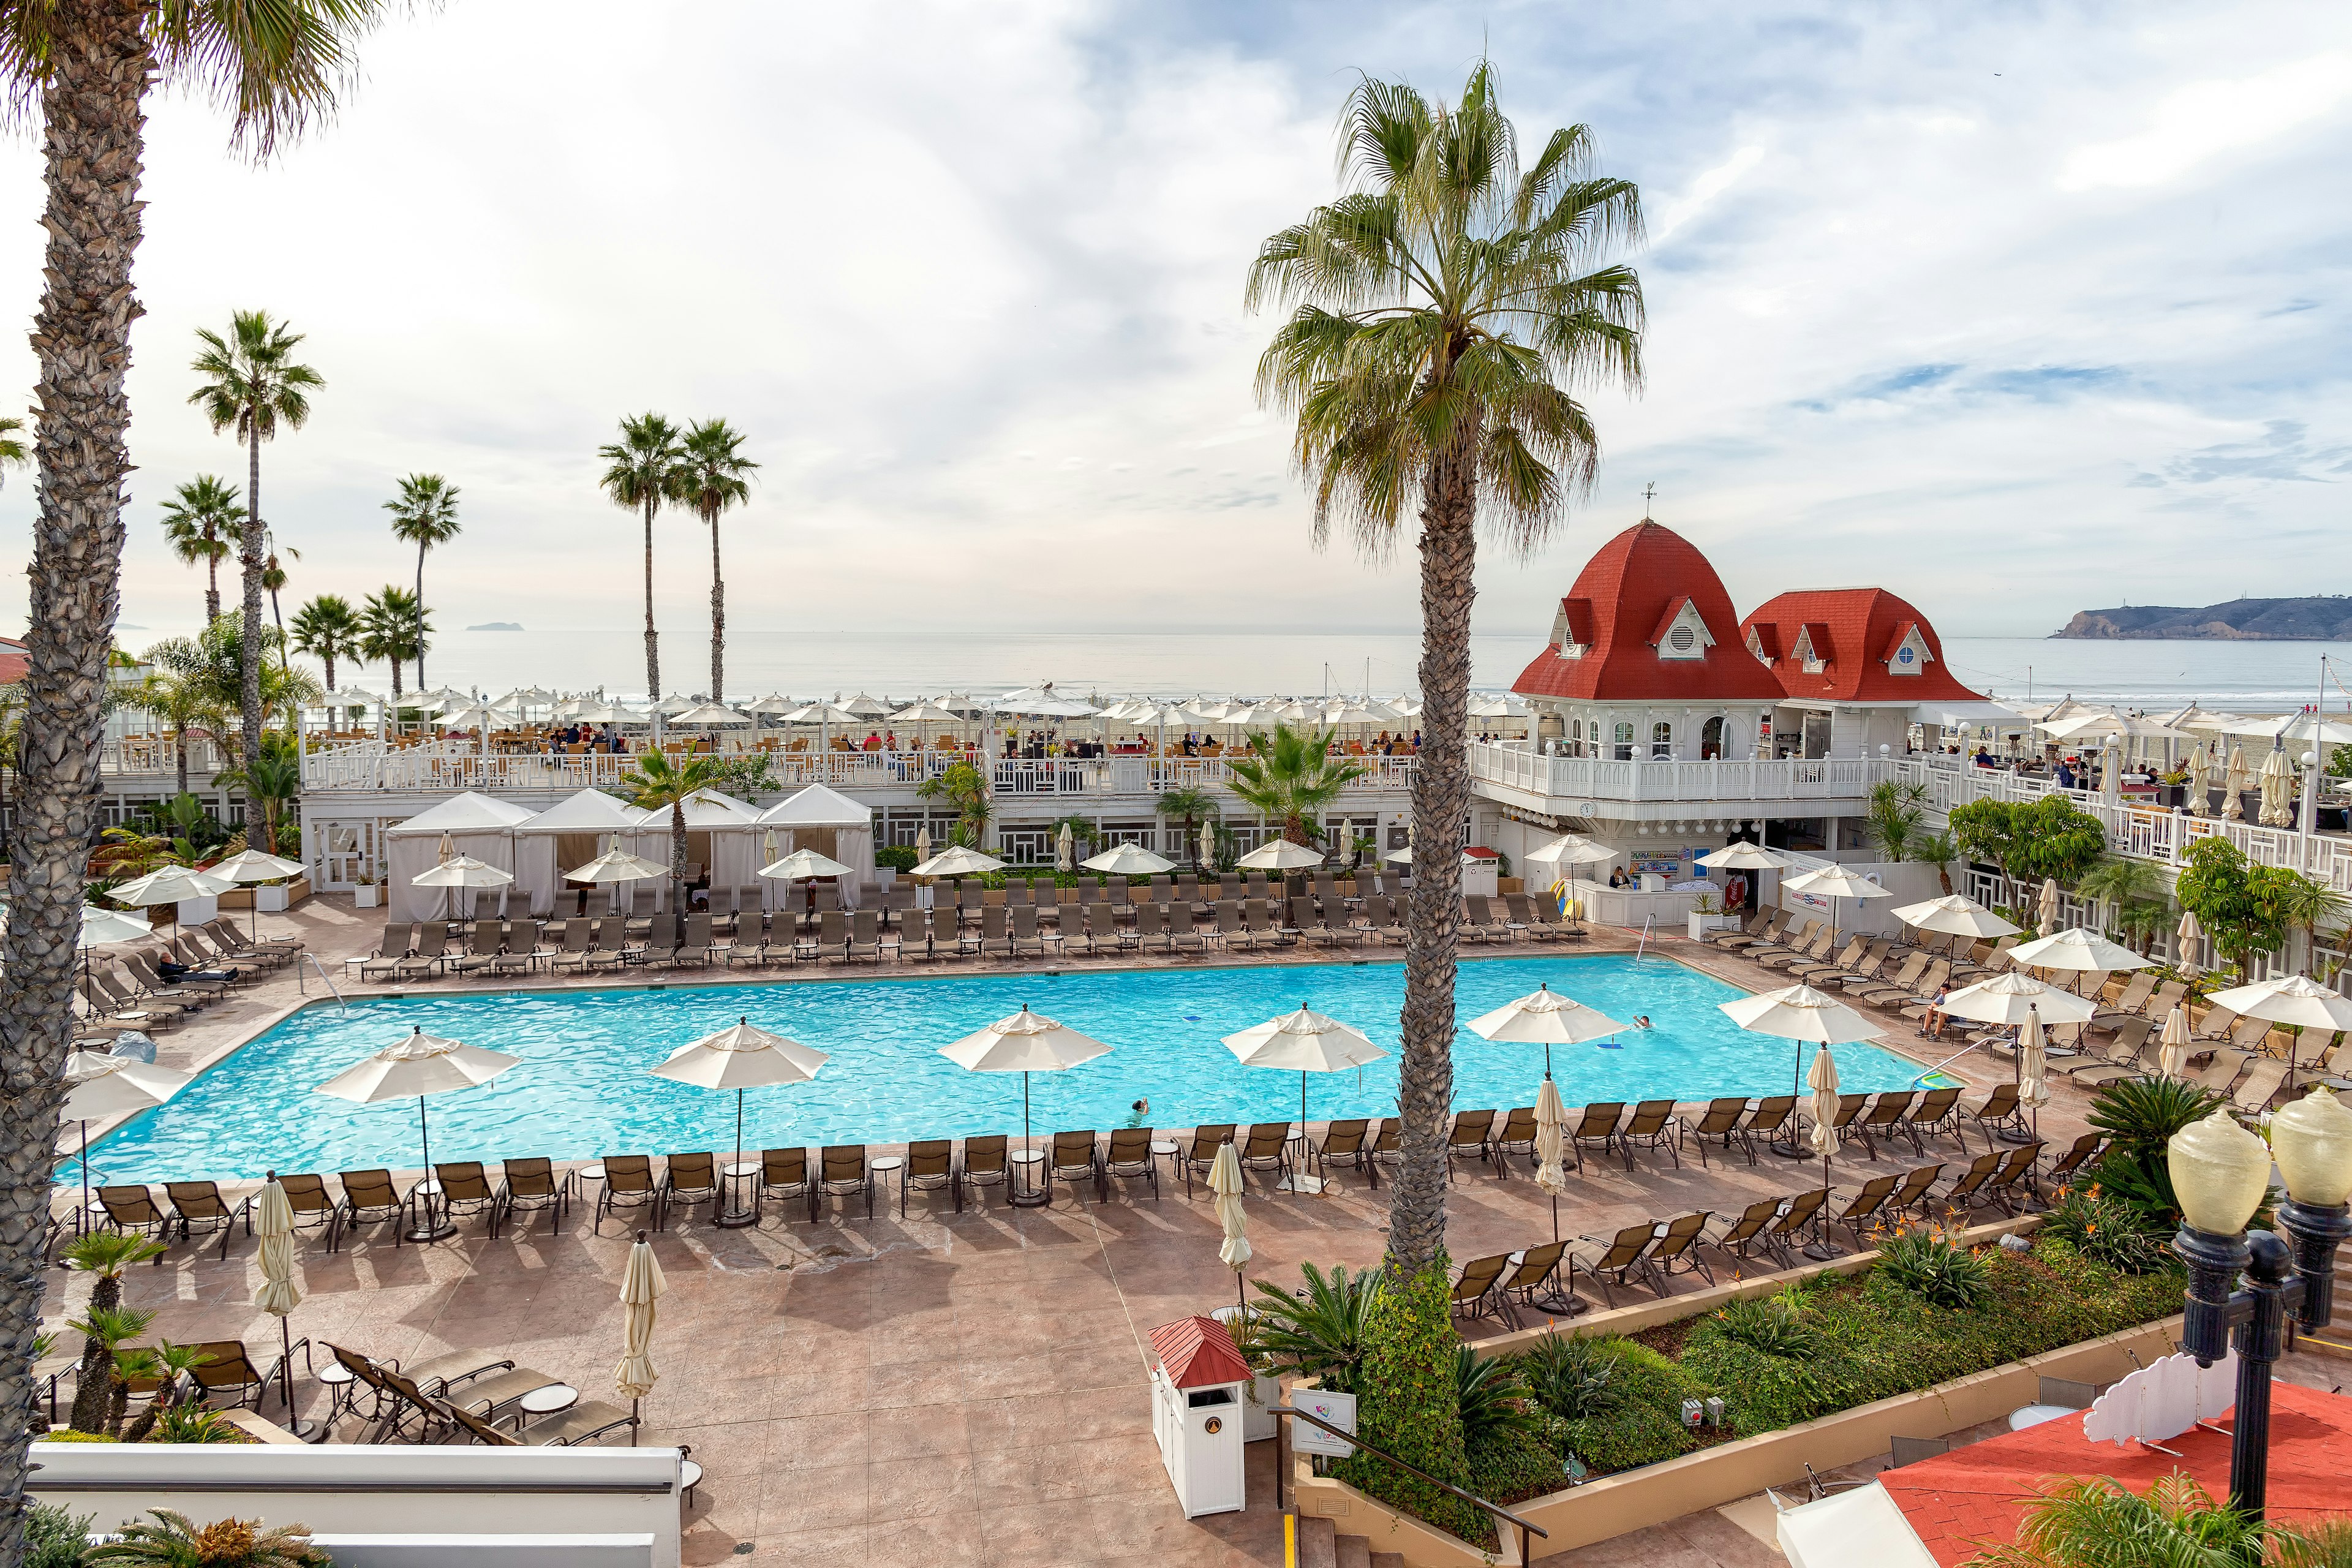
(1320, 1545)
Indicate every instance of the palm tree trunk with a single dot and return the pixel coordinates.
(212, 583)
(89, 107)
(180, 754)
(653, 655)
(285, 662)
(250, 694)
(420, 617)
(395, 683)
(329, 661)
(1441, 797)
(717, 620)
(678, 855)
(88, 1412)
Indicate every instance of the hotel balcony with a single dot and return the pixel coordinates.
(1515, 773)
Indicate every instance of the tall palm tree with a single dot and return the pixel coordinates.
(640, 473)
(253, 386)
(392, 628)
(13, 454)
(1192, 804)
(202, 523)
(1292, 778)
(1445, 309)
(328, 628)
(424, 513)
(713, 475)
(659, 781)
(86, 67)
(177, 696)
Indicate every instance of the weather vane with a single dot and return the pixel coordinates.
(1648, 491)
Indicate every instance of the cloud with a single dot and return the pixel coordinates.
(2208, 119)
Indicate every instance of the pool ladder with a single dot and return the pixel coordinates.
(1640, 946)
(312, 960)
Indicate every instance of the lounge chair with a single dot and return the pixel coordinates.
(1901, 981)
(1771, 1116)
(994, 940)
(1473, 1295)
(2135, 991)
(611, 949)
(226, 1369)
(1911, 1193)
(572, 952)
(2222, 1072)
(370, 1199)
(2016, 1171)
(532, 1184)
(1759, 928)
(930, 1167)
(1517, 1132)
(1885, 1118)
(432, 950)
(629, 1184)
(1598, 1126)
(1200, 1152)
(1380, 919)
(1828, 969)
(464, 1189)
(1318, 929)
(220, 930)
(1801, 1211)
(1529, 922)
(153, 993)
(2254, 1093)
(2143, 1051)
(694, 947)
(784, 1174)
(190, 991)
(1926, 988)
(1075, 1156)
(1102, 929)
(2080, 1153)
(1625, 1255)
(1479, 922)
(1266, 1147)
(306, 1195)
(947, 937)
(1999, 1108)
(1152, 929)
(2219, 1024)
(1265, 926)
(131, 1207)
(1739, 1237)
(1535, 1280)
(1346, 1143)
(1130, 1158)
(1813, 951)
(1968, 1186)
(1678, 1246)
(1653, 1122)
(522, 950)
(842, 1171)
(1229, 932)
(986, 1164)
(482, 949)
(396, 946)
(1721, 1123)
(1936, 1113)
(1468, 1136)
(691, 1179)
(119, 1012)
(1842, 1121)
(1864, 1205)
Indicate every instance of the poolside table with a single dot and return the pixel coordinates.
(1028, 1165)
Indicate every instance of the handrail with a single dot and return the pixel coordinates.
(1644, 943)
(330, 979)
(1351, 1438)
(1948, 1061)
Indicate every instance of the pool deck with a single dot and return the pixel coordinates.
(938, 1389)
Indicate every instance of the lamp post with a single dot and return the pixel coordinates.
(2221, 1173)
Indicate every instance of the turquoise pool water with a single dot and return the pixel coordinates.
(583, 1088)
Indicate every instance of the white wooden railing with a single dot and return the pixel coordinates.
(1517, 765)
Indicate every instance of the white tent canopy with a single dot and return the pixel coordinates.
(722, 836)
(830, 822)
(477, 825)
(569, 833)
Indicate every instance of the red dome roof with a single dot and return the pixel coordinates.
(1630, 602)
(1861, 637)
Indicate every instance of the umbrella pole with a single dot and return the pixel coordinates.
(1786, 1144)
(1029, 1197)
(723, 1214)
(81, 1216)
(426, 1229)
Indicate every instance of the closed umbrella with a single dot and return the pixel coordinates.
(2187, 938)
(2277, 785)
(1303, 1042)
(1551, 1143)
(2033, 1070)
(1208, 856)
(2047, 911)
(2233, 786)
(1023, 1043)
(273, 1222)
(641, 1285)
(1824, 1081)
(1954, 914)
(1065, 852)
(2172, 1061)
(922, 844)
(1225, 1181)
(112, 1086)
(742, 1057)
(420, 1065)
(1802, 1014)
(2200, 771)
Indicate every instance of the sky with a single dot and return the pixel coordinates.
(2013, 309)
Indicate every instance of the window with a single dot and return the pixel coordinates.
(1662, 742)
(1710, 739)
(1623, 744)
(1576, 737)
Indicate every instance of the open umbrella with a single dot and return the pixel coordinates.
(273, 1222)
(2076, 948)
(1544, 1017)
(112, 1086)
(461, 871)
(1023, 1043)
(802, 864)
(740, 1057)
(253, 866)
(2172, 1061)
(641, 1285)
(169, 885)
(2006, 999)
(1745, 857)
(614, 866)
(420, 1065)
(1802, 1014)
(1225, 1181)
(1127, 861)
(1279, 854)
(1835, 882)
(1303, 1042)
(958, 860)
(2291, 999)
(1954, 914)
(1568, 849)
(2186, 938)
(2047, 910)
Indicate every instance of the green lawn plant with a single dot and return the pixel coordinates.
(54, 1538)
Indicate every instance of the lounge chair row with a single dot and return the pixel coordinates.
(463, 1398)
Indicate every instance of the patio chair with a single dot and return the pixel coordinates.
(1678, 1246)
(2219, 1024)
(629, 1183)
(1228, 931)
(482, 949)
(1998, 1110)
(946, 937)
(1266, 1147)
(583, 1423)
(307, 1195)
(784, 1174)
(369, 1198)
(1864, 1205)
(1130, 1158)
(190, 991)
(573, 954)
(1535, 1280)
(2255, 1092)
(2221, 1071)
(842, 1172)
(397, 944)
(1346, 1143)
(2080, 1153)
(521, 949)
(610, 949)
(465, 1190)
(1474, 1294)
(1936, 1114)
(694, 946)
(1529, 919)
(431, 949)
(1596, 1126)
(1076, 1155)
(530, 1185)
(197, 1204)
(1883, 1118)
(1911, 1193)
(930, 1167)
(691, 1179)
(1967, 1187)
(985, 1165)
(1264, 925)
(1468, 1136)
(995, 940)
(133, 1207)
(2016, 1171)
(1625, 1255)
(1201, 1151)
(1517, 1132)
(1653, 1122)
(1739, 1237)
(1721, 1123)
(1901, 983)
(1151, 928)
(227, 1371)
(1801, 1211)
(832, 936)
(2129, 1001)
(1380, 919)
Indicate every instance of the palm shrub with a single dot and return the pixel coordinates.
(175, 1540)
(1928, 1263)
(1503, 1429)
(2133, 894)
(1292, 778)
(103, 1255)
(2141, 1114)
(1324, 1333)
(1640, 1422)
(2093, 1521)
(1893, 816)
(196, 1424)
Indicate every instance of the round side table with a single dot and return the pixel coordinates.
(1028, 1167)
(555, 1398)
(734, 1217)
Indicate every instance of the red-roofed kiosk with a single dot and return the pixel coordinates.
(1199, 1386)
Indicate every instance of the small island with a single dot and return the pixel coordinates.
(496, 626)
(2323, 617)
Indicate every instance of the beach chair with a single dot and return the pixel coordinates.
(1801, 1210)
(431, 949)
(2221, 1071)
(1202, 1150)
(1379, 918)
(784, 1174)
(1883, 1118)
(131, 1207)
(609, 948)
(1517, 1132)
(397, 944)
(2016, 1172)
(1652, 1123)
(864, 936)
(1128, 1158)
(995, 939)
(1911, 1193)
(842, 1171)
(1625, 1255)
(1535, 1280)
(947, 937)
(1468, 1136)
(369, 1198)
(464, 1190)
(1473, 1296)
(1075, 1156)
(1739, 1237)
(1720, 1122)
(1596, 1126)
(482, 949)
(929, 1167)
(1346, 1143)
(694, 946)
(1966, 1189)
(571, 953)
(521, 949)
(1998, 1110)
(629, 1183)
(986, 1164)
(1905, 975)
(691, 1179)
(1867, 969)
(2254, 1093)
(1864, 1205)
(1677, 1247)
(530, 1185)
(1266, 1147)
(2080, 1153)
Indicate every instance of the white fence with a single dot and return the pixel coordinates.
(1517, 765)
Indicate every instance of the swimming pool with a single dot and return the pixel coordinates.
(583, 1089)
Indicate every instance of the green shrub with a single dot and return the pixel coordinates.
(65, 1434)
(1644, 1426)
(1320, 1334)
(1930, 1265)
(1514, 1465)
(1491, 1397)
(196, 1424)
(2106, 1229)
(54, 1538)
(899, 857)
(1570, 1377)
(1409, 1406)
(1770, 1325)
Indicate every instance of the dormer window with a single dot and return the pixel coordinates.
(1908, 654)
(1682, 632)
(1571, 629)
(1765, 643)
(1812, 650)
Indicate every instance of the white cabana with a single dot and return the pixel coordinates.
(722, 836)
(568, 834)
(477, 825)
(830, 822)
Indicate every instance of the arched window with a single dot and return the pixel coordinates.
(1710, 739)
(1576, 737)
(1662, 742)
(1623, 748)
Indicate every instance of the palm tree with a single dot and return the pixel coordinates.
(393, 628)
(2135, 893)
(1292, 778)
(1192, 804)
(1447, 308)
(424, 513)
(177, 1540)
(269, 782)
(103, 1255)
(2092, 1522)
(87, 70)
(176, 694)
(11, 447)
(253, 386)
(201, 523)
(656, 782)
(328, 628)
(640, 473)
(712, 476)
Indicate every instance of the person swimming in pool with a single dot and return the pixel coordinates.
(1640, 1020)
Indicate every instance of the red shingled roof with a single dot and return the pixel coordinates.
(13, 661)
(1630, 590)
(1956, 1501)
(1856, 633)
(1197, 1353)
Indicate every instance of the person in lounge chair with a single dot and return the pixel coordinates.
(1932, 1025)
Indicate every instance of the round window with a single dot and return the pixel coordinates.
(1904, 656)
(1683, 639)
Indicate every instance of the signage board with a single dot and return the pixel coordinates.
(1339, 1409)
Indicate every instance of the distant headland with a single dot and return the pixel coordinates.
(2324, 617)
(496, 626)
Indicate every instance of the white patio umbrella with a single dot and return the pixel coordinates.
(2291, 999)
(1127, 861)
(1569, 850)
(1400, 856)
(1279, 854)
(1824, 1081)
(958, 860)
(1234, 1252)
(1066, 852)
(641, 1285)
(2277, 786)
(101, 927)
(1954, 914)
(1545, 1017)
(2233, 786)
(615, 864)
(2047, 910)
(740, 1057)
(273, 1222)
(1835, 882)
(106, 1086)
(420, 1065)
(1745, 857)
(803, 863)
(1551, 1142)
(2076, 948)
(475, 716)
(1208, 844)
(922, 844)
(2186, 936)
(865, 707)
(461, 871)
(2007, 998)
(1303, 1042)
(1023, 1043)
(2172, 1061)
(1803, 1013)
(707, 716)
(254, 866)
(169, 885)
(2033, 1066)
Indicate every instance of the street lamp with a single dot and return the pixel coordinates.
(2221, 1173)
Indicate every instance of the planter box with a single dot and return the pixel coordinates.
(1700, 924)
(2172, 797)
(366, 896)
(270, 897)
